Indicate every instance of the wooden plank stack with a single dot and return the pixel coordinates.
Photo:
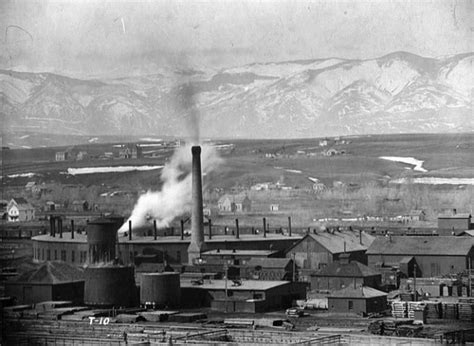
(413, 306)
(450, 311)
(399, 309)
(433, 310)
(466, 309)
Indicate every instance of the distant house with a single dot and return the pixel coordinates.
(414, 215)
(323, 143)
(225, 203)
(19, 209)
(62, 156)
(81, 205)
(274, 207)
(358, 300)
(82, 155)
(30, 185)
(319, 187)
(242, 203)
(50, 206)
(454, 221)
(239, 203)
(345, 273)
(130, 151)
(338, 184)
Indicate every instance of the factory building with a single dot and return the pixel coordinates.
(454, 221)
(358, 300)
(433, 256)
(54, 280)
(173, 249)
(242, 296)
(318, 250)
(345, 273)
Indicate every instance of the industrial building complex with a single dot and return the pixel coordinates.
(149, 282)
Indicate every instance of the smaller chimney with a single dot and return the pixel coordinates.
(360, 237)
(344, 246)
(154, 229)
(60, 227)
(52, 225)
(237, 231)
(72, 229)
(182, 229)
(289, 225)
(210, 229)
(129, 229)
(264, 227)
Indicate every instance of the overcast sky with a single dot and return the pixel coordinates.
(99, 38)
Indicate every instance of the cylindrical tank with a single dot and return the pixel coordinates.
(101, 237)
(109, 286)
(160, 290)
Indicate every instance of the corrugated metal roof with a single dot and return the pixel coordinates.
(340, 242)
(254, 285)
(430, 245)
(352, 269)
(359, 292)
(52, 272)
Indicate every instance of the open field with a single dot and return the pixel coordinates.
(357, 181)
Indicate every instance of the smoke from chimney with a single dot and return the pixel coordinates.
(174, 199)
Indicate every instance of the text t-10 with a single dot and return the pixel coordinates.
(105, 321)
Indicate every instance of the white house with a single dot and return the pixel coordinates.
(19, 209)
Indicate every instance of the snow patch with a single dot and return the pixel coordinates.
(408, 160)
(21, 175)
(92, 170)
(314, 180)
(435, 181)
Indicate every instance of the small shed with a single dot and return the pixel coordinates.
(81, 205)
(270, 268)
(55, 280)
(359, 300)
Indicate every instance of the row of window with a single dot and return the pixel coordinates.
(52, 255)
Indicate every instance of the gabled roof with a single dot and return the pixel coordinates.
(416, 212)
(21, 203)
(359, 292)
(20, 200)
(352, 269)
(334, 242)
(455, 216)
(429, 245)
(54, 272)
(277, 263)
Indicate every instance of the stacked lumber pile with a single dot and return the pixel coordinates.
(399, 309)
(433, 310)
(466, 309)
(450, 311)
(413, 306)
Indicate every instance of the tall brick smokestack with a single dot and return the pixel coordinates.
(196, 247)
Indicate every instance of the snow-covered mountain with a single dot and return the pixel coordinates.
(399, 92)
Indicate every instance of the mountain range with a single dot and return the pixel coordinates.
(397, 93)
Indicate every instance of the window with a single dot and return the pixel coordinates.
(42, 254)
(178, 256)
(63, 255)
(72, 256)
(48, 255)
(351, 305)
(55, 255)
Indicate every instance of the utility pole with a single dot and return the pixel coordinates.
(414, 281)
(293, 255)
(226, 267)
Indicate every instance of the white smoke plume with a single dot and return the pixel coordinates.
(174, 199)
